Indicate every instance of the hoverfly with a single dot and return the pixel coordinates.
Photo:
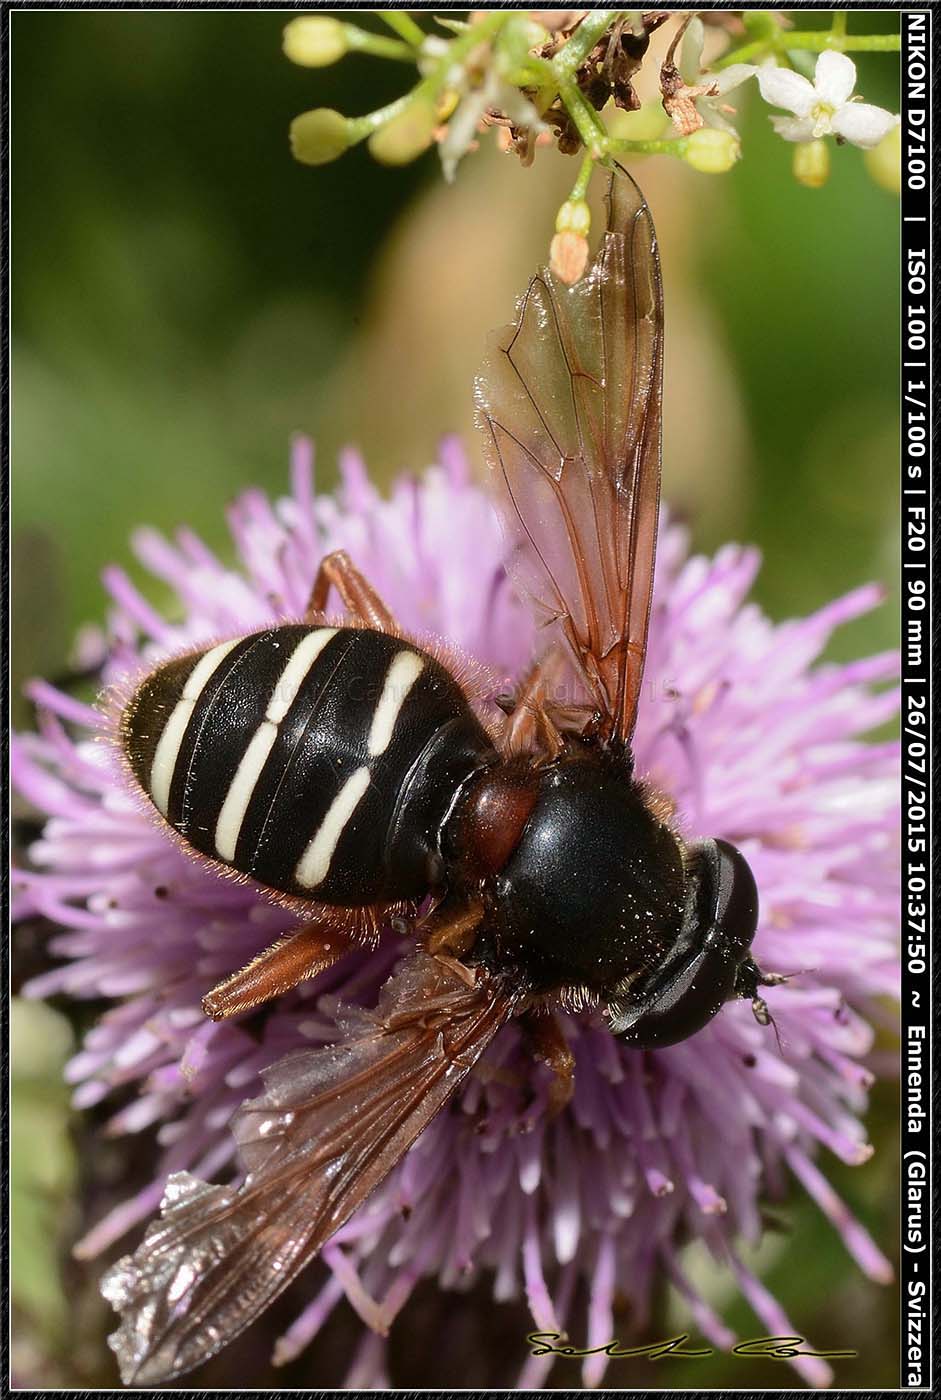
(343, 766)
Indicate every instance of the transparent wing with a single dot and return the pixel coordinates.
(331, 1124)
(569, 403)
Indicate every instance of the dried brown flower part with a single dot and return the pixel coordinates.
(679, 99)
(607, 71)
(681, 109)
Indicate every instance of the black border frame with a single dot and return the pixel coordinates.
(918, 1319)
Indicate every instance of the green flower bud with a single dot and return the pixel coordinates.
(314, 41)
(760, 24)
(405, 137)
(812, 163)
(884, 161)
(573, 217)
(319, 136)
(711, 150)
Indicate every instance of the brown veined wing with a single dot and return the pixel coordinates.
(569, 402)
(331, 1124)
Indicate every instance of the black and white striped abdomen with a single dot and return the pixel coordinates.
(321, 761)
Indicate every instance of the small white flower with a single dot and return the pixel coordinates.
(826, 106)
(708, 90)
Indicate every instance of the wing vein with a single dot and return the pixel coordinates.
(572, 436)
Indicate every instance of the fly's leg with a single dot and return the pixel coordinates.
(294, 958)
(528, 724)
(537, 718)
(450, 930)
(544, 1034)
(359, 598)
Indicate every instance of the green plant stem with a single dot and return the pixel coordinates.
(838, 27)
(814, 41)
(667, 146)
(535, 72)
(490, 23)
(484, 29)
(573, 54)
(362, 41)
(403, 25)
(589, 128)
(361, 127)
(580, 188)
(431, 85)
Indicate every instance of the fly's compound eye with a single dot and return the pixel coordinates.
(679, 996)
(736, 894)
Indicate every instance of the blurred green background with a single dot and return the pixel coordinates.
(185, 297)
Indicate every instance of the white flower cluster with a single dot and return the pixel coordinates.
(824, 107)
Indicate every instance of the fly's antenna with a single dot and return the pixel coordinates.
(759, 1006)
(750, 978)
(776, 979)
(762, 1013)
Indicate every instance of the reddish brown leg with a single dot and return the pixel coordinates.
(529, 723)
(359, 598)
(292, 959)
(548, 1044)
(451, 928)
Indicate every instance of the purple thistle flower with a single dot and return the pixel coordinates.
(752, 740)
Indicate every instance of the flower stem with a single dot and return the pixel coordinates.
(573, 54)
(430, 86)
(404, 26)
(818, 40)
(580, 188)
(489, 24)
(589, 128)
(838, 27)
(535, 72)
(667, 146)
(814, 41)
(361, 127)
(362, 41)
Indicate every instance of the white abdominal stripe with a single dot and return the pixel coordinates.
(403, 671)
(168, 746)
(314, 865)
(229, 824)
(400, 677)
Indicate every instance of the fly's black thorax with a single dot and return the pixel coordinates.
(592, 891)
(320, 761)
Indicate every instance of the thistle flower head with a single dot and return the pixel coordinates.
(660, 1151)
